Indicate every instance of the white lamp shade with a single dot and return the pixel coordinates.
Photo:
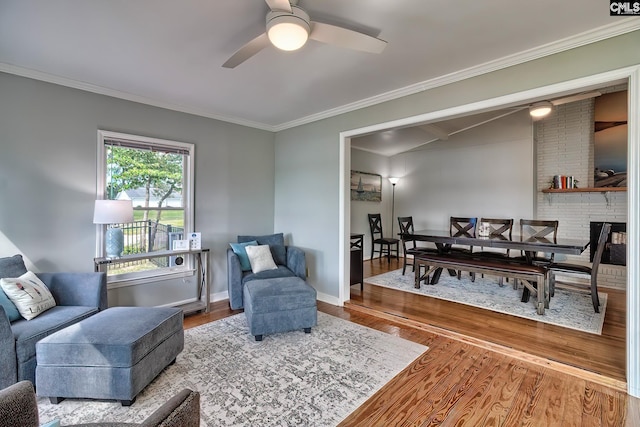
(113, 212)
(393, 180)
(288, 31)
(540, 109)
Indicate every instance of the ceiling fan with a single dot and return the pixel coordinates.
(542, 108)
(289, 27)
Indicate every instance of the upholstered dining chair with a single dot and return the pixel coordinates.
(386, 245)
(410, 246)
(568, 271)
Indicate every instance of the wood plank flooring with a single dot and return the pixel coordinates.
(463, 380)
(604, 355)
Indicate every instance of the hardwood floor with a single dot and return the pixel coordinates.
(465, 381)
(603, 355)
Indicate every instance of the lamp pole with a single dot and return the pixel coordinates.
(393, 181)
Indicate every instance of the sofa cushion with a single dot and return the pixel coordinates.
(279, 294)
(132, 334)
(29, 294)
(240, 250)
(28, 332)
(260, 258)
(275, 242)
(281, 271)
(12, 266)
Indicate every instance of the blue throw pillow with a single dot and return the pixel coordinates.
(275, 242)
(9, 308)
(12, 266)
(239, 249)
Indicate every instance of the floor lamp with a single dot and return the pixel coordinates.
(393, 182)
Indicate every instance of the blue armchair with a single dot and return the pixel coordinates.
(290, 262)
(77, 296)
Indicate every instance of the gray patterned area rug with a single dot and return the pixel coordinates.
(289, 379)
(567, 309)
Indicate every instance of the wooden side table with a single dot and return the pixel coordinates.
(356, 265)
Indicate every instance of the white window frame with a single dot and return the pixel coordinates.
(187, 269)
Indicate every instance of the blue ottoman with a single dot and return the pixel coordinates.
(278, 305)
(113, 354)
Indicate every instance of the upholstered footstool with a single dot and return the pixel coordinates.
(279, 305)
(113, 354)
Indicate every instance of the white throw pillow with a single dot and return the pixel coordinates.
(260, 258)
(29, 294)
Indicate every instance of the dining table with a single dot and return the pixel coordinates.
(529, 245)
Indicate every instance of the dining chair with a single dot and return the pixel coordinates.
(568, 271)
(386, 244)
(498, 228)
(463, 226)
(541, 230)
(409, 245)
(536, 230)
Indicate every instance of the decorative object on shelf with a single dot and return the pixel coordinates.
(366, 187)
(180, 245)
(112, 213)
(562, 181)
(195, 240)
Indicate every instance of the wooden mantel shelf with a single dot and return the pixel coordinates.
(584, 190)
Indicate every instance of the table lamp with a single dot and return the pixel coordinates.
(113, 212)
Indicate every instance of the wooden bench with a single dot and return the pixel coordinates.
(529, 275)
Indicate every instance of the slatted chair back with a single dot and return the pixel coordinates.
(375, 226)
(539, 230)
(499, 227)
(461, 226)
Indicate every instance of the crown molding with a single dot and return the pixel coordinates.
(592, 36)
(76, 84)
(608, 31)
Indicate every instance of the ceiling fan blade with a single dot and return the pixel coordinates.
(339, 36)
(576, 97)
(247, 51)
(279, 5)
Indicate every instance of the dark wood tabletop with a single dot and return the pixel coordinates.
(560, 245)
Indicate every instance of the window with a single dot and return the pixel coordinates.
(157, 176)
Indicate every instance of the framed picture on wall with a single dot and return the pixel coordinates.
(610, 139)
(366, 187)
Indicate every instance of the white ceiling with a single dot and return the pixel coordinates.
(169, 53)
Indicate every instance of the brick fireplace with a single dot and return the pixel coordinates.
(564, 146)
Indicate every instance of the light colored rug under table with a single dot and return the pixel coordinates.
(567, 309)
(289, 379)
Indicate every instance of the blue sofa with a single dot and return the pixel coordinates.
(77, 296)
(290, 261)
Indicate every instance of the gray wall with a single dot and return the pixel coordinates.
(48, 143)
(317, 144)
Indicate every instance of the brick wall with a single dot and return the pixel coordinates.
(564, 146)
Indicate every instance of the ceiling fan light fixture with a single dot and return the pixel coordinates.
(288, 31)
(540, 109)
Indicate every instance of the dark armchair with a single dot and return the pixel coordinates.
(18, 407)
